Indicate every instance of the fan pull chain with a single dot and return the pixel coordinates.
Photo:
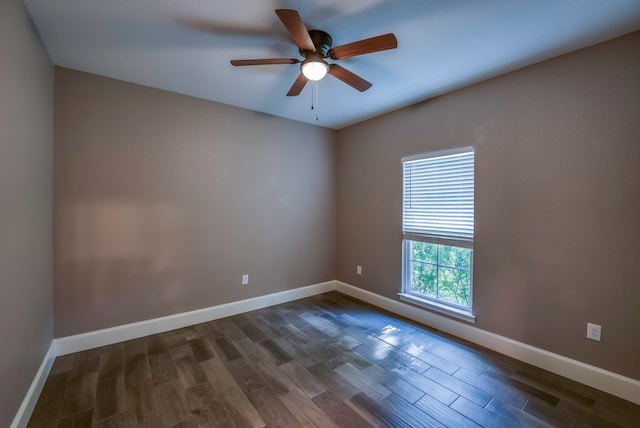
(315, 97)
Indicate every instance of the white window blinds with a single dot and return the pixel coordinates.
(438, 197)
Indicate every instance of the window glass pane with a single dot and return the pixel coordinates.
(423, 278)
(454, 286)
(425, 251)
(455, 257)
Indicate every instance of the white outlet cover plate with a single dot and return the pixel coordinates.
(594, 331)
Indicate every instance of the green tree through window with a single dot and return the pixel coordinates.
(442, 272)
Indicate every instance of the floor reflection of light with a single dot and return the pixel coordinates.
(413, 348)
(388, 335)
(382, 352)
(389, 329)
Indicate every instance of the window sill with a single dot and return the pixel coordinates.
(438, 307)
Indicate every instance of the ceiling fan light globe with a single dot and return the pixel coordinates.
(314, 70)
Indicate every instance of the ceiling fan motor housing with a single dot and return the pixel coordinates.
(322, 41)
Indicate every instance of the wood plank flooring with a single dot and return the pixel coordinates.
(325, 361)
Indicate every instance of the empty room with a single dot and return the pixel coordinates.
(319, 213)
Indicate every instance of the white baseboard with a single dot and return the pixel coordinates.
(613, 383)
(29, 402)
(108, 336)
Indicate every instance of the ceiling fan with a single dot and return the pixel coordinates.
(315, 47)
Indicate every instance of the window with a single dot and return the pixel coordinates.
(437, 222)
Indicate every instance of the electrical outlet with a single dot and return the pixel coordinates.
(359, 270)
(594, 331)
(245, 279)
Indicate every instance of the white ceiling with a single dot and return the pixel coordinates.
(185, 46)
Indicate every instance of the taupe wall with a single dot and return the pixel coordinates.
(163, 201)
(26, 141)
(557, 199)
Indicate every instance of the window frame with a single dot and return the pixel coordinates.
(421, 299)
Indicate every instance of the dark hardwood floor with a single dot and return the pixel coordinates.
(327, 361)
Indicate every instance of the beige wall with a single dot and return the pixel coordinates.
(557, 199)
(163, 201)
(26, 137)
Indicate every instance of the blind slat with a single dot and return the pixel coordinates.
(438, 197)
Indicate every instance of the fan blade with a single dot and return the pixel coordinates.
(292, 21)
(297, 86)
(374, 44)
(349, 78)
(241, 62)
